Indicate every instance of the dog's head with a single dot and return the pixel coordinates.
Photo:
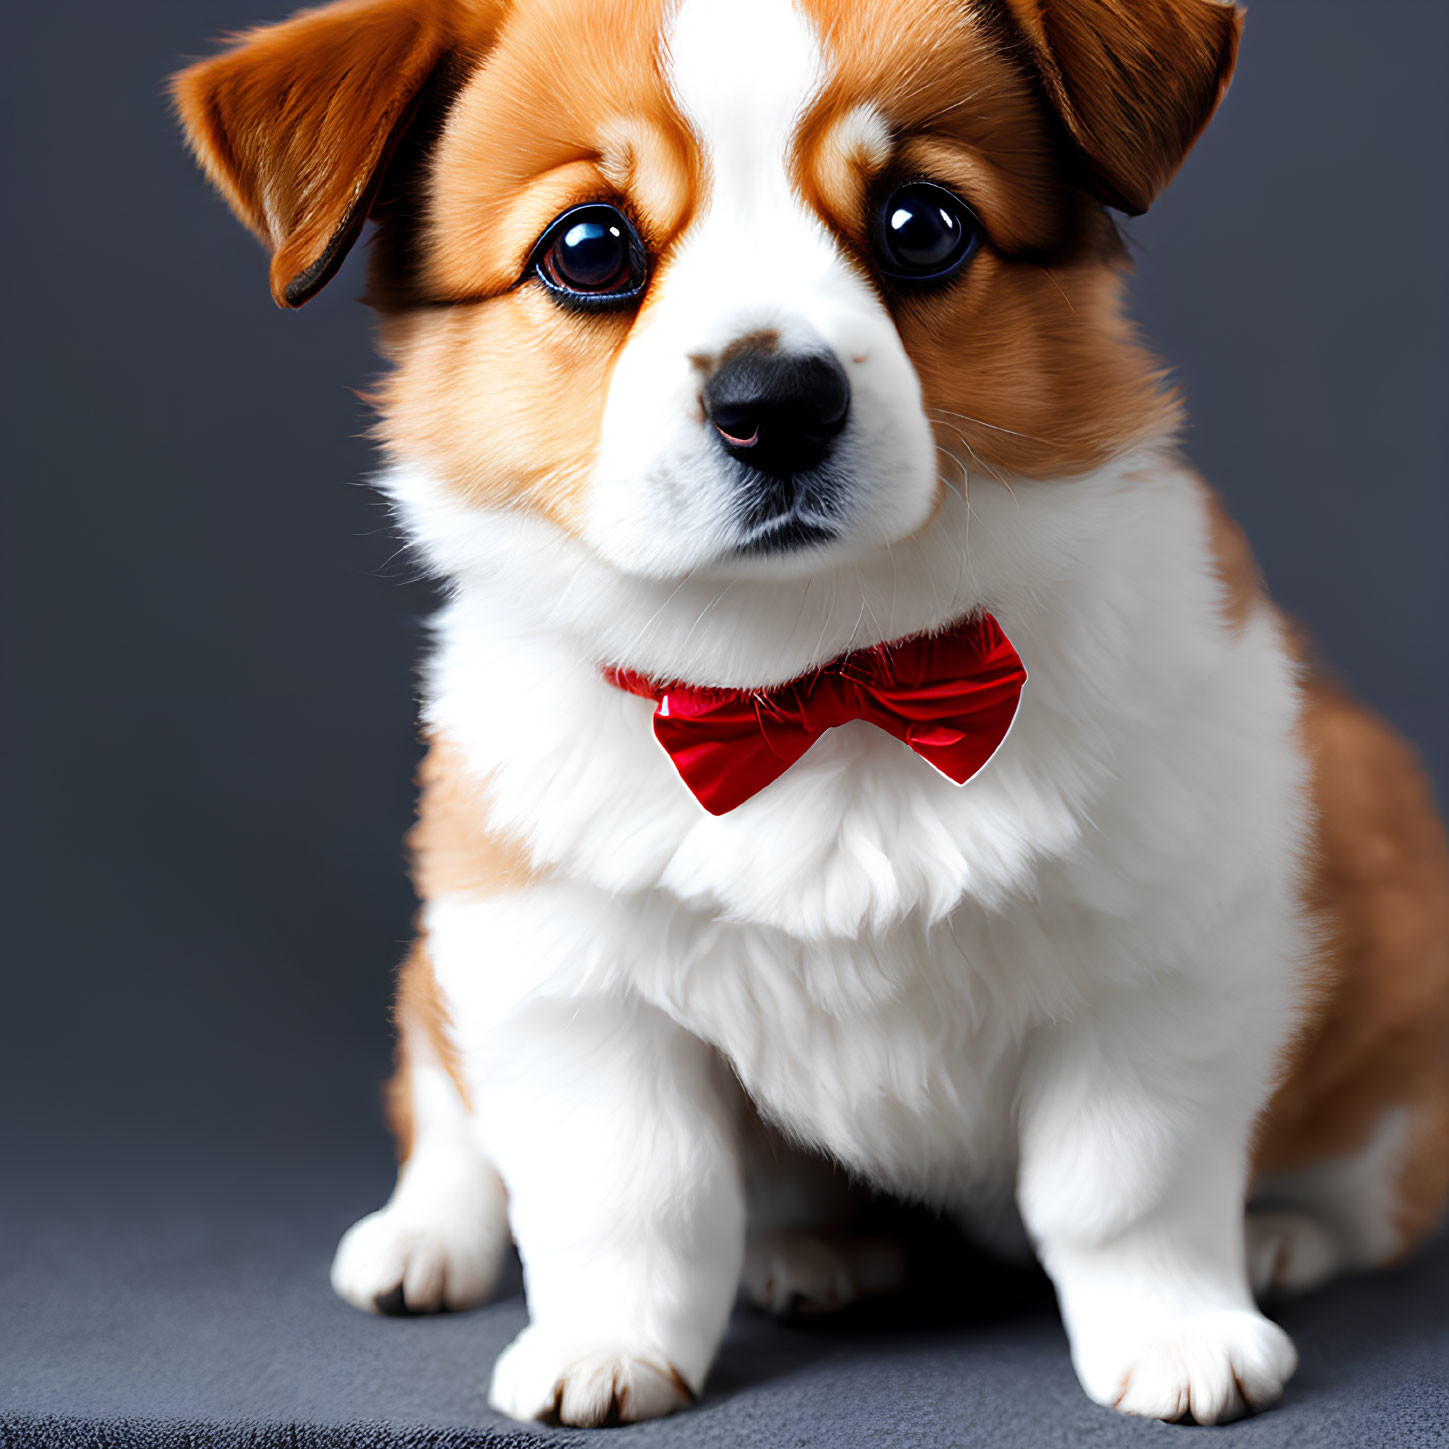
(728, 286)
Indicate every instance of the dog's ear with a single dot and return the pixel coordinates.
(295, 123)
(1134, 82)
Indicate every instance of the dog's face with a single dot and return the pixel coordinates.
(726, 286)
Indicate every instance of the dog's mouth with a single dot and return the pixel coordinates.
(787, 533)
(789, 512)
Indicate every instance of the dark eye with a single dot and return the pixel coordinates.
(925, 233)
(592, 256)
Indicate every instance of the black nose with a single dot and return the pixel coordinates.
(777, 411)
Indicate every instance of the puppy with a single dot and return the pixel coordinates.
(849, 713)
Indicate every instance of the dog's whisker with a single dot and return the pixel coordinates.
(995, 427)
(981, 463)
(855, 628)
(865, 601)
(642, 637)
(800, 614)
(705, 612)
(1047, 272)
(891, 613)
(828, 615)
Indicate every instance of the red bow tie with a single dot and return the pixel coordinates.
(951, 697)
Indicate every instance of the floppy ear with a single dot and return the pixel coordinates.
(296, 121)
(1134, 81)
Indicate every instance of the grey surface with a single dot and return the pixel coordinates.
(202, 1301)
(208, 666)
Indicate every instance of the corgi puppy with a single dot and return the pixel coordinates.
(855, 736)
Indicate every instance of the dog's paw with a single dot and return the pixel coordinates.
(1213, 1367)
(1289, 1252)
(790, 1273)
(398, 1261)
(587, 1386)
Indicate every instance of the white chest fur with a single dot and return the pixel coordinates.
(869, 945)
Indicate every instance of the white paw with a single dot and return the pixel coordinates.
(788, 1273)
(1213, 1366)
(397, 1260)
(1289, 1252)
(588, 1386)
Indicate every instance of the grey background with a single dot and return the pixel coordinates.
(210, 640)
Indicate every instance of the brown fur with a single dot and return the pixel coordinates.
(420, 1017)
(1237, 570)
(502, 393)
(453, 853)
(1133, 83)
(936, 78)
(1376, 1033)
(453, 850)
(295, 123)
(1026, 363)
(1034, 370)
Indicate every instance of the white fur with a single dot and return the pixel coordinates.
(440, 1236)
(1289, 1252)
(804, 1273)
(1069, 980)
(661, 496)
(1352, 1197)
(1072, 975)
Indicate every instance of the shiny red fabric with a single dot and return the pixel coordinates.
(951, 697)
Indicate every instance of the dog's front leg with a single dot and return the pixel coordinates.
(1135, 1124)
(613, 1130)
